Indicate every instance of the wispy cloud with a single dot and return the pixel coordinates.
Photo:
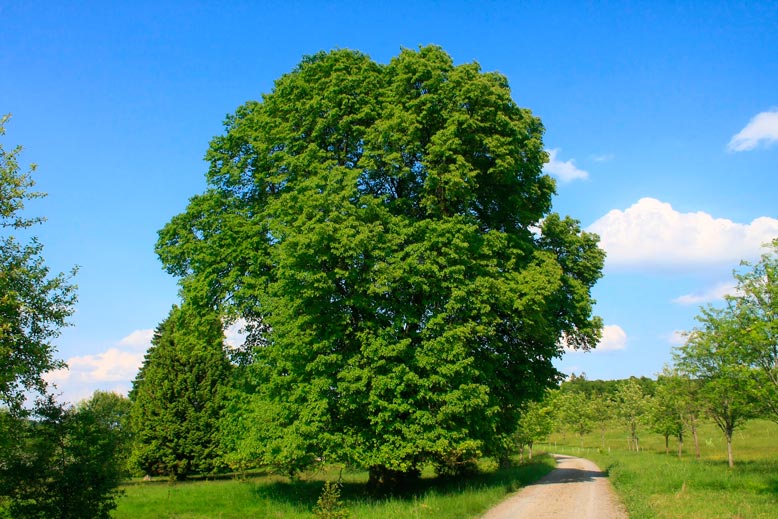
(138, 338)
(565, 171)
(762, 129)
(677, 338)
(651, 233)
(715, 293)
(604, 157)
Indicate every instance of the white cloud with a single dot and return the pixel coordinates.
(652, 233)
(138, 338)
(113, 365)
(564, 171)
(110, 370)
(677, 338)
(613, 338)
(715, 293)
(761, 129)
(115, 368)
(234, 334)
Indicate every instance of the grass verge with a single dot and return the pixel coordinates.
(654, 484)
(275, 497)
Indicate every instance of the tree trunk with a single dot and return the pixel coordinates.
(667, 444)
(730, 459)
(696, 440)
(384, 480)
(529, 445)
(680, 444)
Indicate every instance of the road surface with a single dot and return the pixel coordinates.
(576, 489)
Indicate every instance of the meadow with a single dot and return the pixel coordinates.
(267, 495)
(653, 484)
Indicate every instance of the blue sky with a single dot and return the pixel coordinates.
(661, 119)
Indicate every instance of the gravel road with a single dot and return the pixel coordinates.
(576, 489)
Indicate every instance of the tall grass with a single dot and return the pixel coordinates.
(653, 484)
(271, 496)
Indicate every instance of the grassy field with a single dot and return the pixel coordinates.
(653, 484)
(271, 496)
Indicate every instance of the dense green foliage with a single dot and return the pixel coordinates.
(732, 355)
(387, 231)
(177, 397)
(112, 412)
(63, 465)
(755, 308)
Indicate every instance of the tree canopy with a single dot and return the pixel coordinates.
(389, 227)
(34, 305)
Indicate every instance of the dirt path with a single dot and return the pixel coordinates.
(576, 489)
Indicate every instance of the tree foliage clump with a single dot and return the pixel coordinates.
(755, 308)
(62, 465)
(389, 227)
(55, 461)
(34, 305)
(177, 397)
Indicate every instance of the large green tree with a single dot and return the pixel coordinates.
(177, 397)
(389, 227)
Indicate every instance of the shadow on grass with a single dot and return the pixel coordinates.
(306, 493)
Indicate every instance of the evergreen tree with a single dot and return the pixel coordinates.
(177, 397)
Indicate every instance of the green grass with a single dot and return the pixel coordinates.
(653, 484)
(272, 496)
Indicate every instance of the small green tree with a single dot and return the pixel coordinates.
(713, 356)
(666, 412)
(177, 397)
(55, 462)
(329, 505)
(574, 410)
(633, 405)
(112, 412)
(535, 424)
